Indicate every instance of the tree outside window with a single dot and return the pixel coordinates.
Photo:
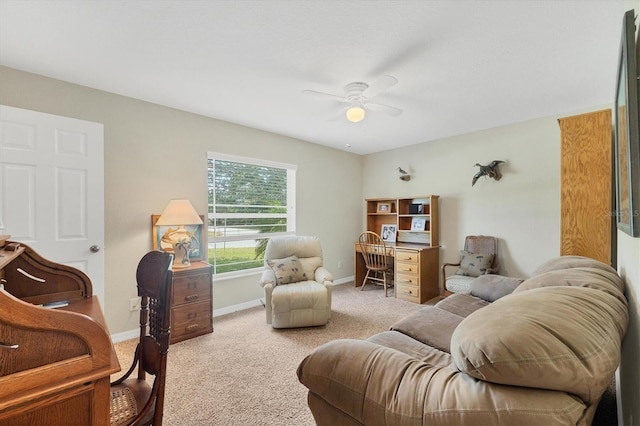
(250, 201)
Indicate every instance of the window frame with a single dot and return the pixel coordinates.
(290, 214)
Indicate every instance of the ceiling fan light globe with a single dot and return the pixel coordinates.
(355, 114)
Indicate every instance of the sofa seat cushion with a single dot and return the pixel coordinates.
(492, 287)
(431, 326)
(403, 343)
(461, 304)
(541, 338)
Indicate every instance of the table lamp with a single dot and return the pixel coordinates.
(179, 213)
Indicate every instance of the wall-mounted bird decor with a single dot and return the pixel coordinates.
(404, 175)
(491, 170)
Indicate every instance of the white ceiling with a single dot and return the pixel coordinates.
(462, 65)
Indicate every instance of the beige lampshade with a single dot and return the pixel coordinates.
(179, 212)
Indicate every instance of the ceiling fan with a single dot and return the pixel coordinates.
(359, 95)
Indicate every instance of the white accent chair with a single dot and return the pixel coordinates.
(297, 286)
(477, 249)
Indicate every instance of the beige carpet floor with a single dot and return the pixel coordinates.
(244, 373)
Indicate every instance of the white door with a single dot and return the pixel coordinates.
(52, 188)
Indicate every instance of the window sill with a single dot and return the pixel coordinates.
(237, 274)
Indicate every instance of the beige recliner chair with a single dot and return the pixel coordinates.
(297, 287)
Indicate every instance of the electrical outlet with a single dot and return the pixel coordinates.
(134, 304)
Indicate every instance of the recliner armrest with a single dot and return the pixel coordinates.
(268, 277)
(322, 275)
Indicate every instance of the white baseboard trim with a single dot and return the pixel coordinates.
(132, 334)
(125, 335)
(235, 308)
(343, 280)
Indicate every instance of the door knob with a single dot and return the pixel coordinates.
(95, 248)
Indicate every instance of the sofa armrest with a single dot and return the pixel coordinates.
(322, 275)
(491, 287)
(377, 385)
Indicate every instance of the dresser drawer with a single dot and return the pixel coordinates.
(407, 268)
(407, 292)
(190, 320)
(407, 256)
(407, 279)
(191, 288)
(192, 313)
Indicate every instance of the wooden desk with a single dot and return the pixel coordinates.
(55, 364)
(416, 266)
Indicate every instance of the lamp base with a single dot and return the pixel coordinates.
(181, 240)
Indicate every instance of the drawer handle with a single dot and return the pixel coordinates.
(8, 346)
(409, 292)
(192, 327)
(191, 298)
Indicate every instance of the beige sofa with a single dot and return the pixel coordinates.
(541, 355)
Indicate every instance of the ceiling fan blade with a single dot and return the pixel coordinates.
(338, 115)
(325, 95)
(387, 109)
(380, 85)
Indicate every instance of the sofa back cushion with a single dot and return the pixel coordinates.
(558, 338)
(568, 262)
(588, 277)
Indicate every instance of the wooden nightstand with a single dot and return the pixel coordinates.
(192, 302)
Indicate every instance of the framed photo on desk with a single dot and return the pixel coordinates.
(388, 233)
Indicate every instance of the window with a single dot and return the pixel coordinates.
(250, 201)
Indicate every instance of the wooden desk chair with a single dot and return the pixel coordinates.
(133, 400)
(479, 245)
(376, 259)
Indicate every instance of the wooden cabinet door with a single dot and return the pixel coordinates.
(586, 192)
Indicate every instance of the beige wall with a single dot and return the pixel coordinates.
(143, 145)
(522, 209)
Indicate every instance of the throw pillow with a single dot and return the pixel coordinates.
(473, 264)
(287, 270)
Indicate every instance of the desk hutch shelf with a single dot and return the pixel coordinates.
(416, 247)
(416, 218)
